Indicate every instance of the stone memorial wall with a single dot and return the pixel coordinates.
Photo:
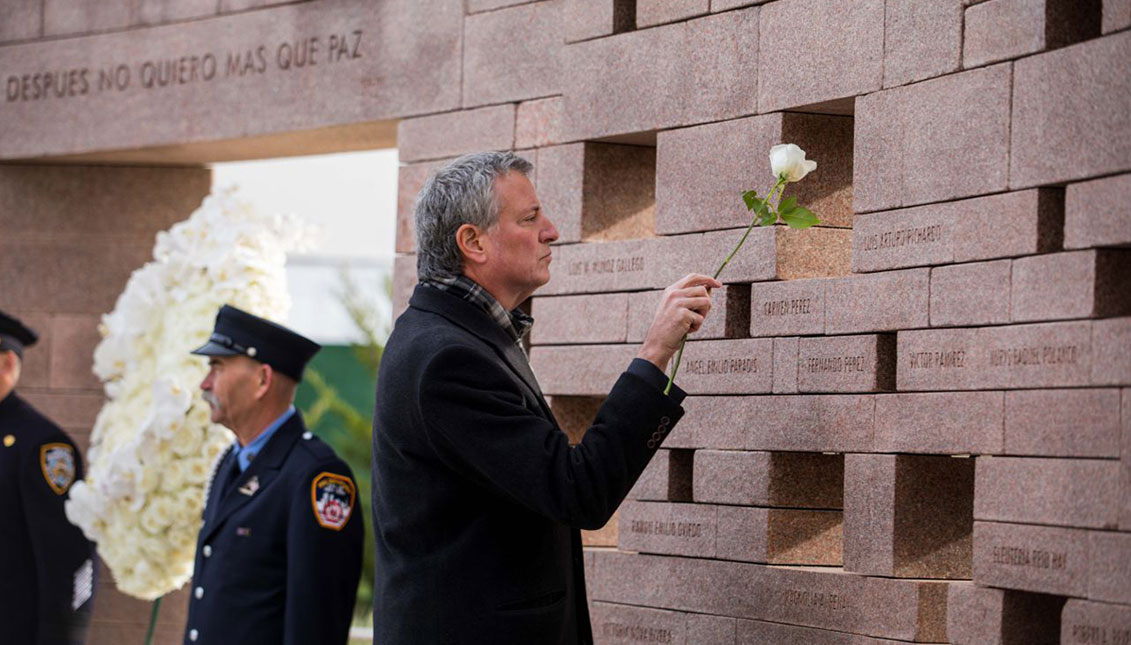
(911, 423)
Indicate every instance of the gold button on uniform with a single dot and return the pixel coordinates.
(9, 439)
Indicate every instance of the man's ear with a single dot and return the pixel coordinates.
(264, 377)
(472, 242)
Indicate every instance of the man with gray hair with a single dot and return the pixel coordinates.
(477, 494)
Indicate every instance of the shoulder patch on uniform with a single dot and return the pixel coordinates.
(332, 496)
(58, 463)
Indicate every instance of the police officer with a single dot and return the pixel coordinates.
(279, 555)
(46, 565)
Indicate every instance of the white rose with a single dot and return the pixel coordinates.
(788, 160)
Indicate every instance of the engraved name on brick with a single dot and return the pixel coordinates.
(667, 528)
(815, 599)
(1035, 355)
(940, 359)
(1019, 556)
(790, 307)
(632, 264)
(636, 633)
(834, 364)
(895, 238)
(730, 365)
(1099, 635)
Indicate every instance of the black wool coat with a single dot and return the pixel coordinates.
(41, 552)
(477, 494)
(268, 568)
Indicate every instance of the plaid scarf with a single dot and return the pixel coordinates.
(516, 323)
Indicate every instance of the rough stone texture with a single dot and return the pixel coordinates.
(475, 6)
(1023, 223)
(787, 479)
(65, 17)
(1094, 622)
(533, 61)
(940, 139)
(819, 597)
(561, 171)
(1063, 492)
(729, 317)
(971, 294)
(586, 370)
(833, 423)
(585, 19)
(908, 516)
(690, 200)
(785, 365)
(598, 318)
(756, 632)
(1062, 423)
(1116, 15)
(455, 133)
(72, 350)
(779, 536)
(538, 123)
(727, 5)
(949, 423)
(671, 529)
(727, 366)
(404, 281)
(618, 192)
(155, 12)
(788, 307)
(575, 414)
(846, 364)
(922, 40)
(21, 20)
(657, 12)
(410, 179)
(1076, 284)
(1111, 362)
(624, 625)
(843, 45)
(1069, 114)
(643, 81)
(72, 411)
(985, 616)
(1002, 29)
(1019, 356)
(877, 302)
(1125, 474)
(1045, 559)
(1109, 578)
(1097, 213)
(667, 478)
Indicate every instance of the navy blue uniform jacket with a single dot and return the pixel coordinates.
(267, 568)
(40, 551)
(477, 494)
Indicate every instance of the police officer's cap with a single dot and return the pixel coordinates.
(239, 333)
(14, 335)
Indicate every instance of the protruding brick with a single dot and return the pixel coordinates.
(779, 535)
(690, 200)
(667, 478)
(1079, 130)
(727, 366)
(985, 616)
(534, 60)
(1063, 492)
(1111, 362)
(1116, 15)
(787, 307)
(595, 318)
(939, 423)
(650, 13)
(1024, 223)
(1045, 559)
(922, 40)
(671, 529)
(1084, 622)
(1003, 29)
(585, 19)
(538, 123)
(1098, 212)
(936, 140)
(788, 479)
(625, 84)
(1076, 284)
(908, 516)
(455, 133)
(846, 364)
(785, 365)
(844, 47)
(1062, 423)
(834, 423)
(729, 317)
(877, 301)
(970, 294)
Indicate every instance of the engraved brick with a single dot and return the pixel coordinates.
(691, 200)
(1109, 578)
(1078, 131)
(1076, 284)
(585, 19)
(787, 307)
(1093, 622)
(877, 301)
(1116, 15)
(785, 365)
(20, 20)
(533, 61)
(538, 123)
(727, 366)
(657, 12)
(1063, 492)
(779, 536)
(455, 133)
(787, 479)
(666, 478)
(936, 140)
(845, 52)
(1020, 356)
(1045, 559)
(670, 529)
(624, 625)
(596, 318)
(729, 316)
(830, 599)
(625, 84)
(1096, 213)
(1111, 362)
(834, 423)
(939, 423)
(908, 516)
(922, 40)
(585, 370)
(985, 616)
(1003, 29)
(410, 180)
(970, 294)
(846, 363)
(72, 352)
(1062, 423)
(1024, 223)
